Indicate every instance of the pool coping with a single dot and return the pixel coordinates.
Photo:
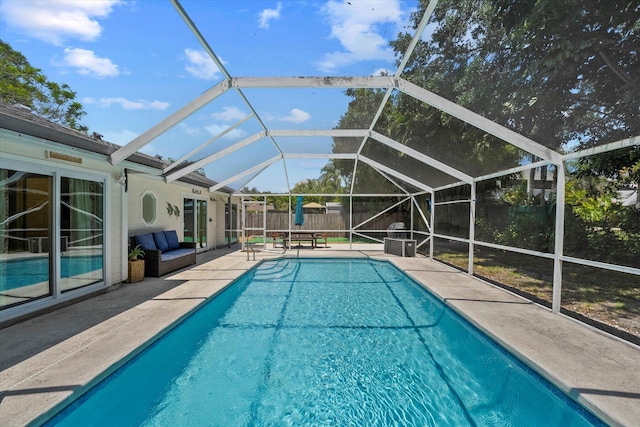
(597, 370)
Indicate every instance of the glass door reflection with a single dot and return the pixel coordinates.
(25, 231)
(195, 222)
(81, 233)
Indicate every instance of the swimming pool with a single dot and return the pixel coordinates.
(324, 342)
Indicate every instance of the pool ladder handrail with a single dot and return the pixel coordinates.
(251, 248)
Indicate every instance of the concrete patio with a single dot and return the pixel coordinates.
(47, 358)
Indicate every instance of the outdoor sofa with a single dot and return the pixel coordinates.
(163, 253)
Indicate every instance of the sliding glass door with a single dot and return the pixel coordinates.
(195, 222)
(25, 232)
(51, 235)
(81, 233)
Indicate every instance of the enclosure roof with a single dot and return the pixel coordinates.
(405, 96)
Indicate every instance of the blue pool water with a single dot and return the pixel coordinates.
(327, 343)
(27, 271)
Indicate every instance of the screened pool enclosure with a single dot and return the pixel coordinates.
(506, 137)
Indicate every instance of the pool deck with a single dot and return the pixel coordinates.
(45, 359)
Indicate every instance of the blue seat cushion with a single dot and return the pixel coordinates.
(146, 241)
(177, 253)
(161, 241)
(172, 239)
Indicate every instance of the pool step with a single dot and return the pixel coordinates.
(275, 270)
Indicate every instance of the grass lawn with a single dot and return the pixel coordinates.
(608, 297)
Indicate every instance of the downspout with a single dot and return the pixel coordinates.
(124, 221)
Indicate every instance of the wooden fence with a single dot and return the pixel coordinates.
(279, 221)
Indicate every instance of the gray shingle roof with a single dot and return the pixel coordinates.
(23, 121)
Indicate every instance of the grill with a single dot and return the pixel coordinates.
(397, 230)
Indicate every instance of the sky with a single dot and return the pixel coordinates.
(134, 63)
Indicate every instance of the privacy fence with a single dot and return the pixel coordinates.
(333, 224)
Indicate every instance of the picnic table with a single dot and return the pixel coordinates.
(301, 237)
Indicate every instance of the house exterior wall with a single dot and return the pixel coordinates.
(24, 152)
(164, 193)
(219, 220)
(173, 193)
(121, 213)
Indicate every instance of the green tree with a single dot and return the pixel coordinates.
(21, 83)
(309, 186)
(565, 74)
(359, 115)
(280, 203)
(331, 179)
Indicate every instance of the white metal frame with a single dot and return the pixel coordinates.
(390, 83)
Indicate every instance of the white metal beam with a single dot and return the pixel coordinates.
(419, 209)
(200, 37)
(345, 156)
(623, 143)
(256, 169)
(211, 140)
(513, 170)
(416, 36)
(452, 185)
(403, 62)
(215, 156)
(313, 82)
(381, 213)
(393, 172)
(472, 229)
(318, 132)
(479, 121)
(393, 181)
(421, 157)
(238, 193)
(558, 252)
(218, 62)
(166, 124)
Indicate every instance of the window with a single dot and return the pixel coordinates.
(148, 207)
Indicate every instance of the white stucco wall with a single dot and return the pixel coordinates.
(173, 193)
(24, 152)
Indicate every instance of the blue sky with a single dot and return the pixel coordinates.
(133, 63)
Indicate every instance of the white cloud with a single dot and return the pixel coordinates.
(189, 130)
(216, 129)
(356, 26)
(56, 21)
(126, 104)
(229, 114)
(268, 15)
(88, 63)
(296, 116)
(200, 65)
(120, 137)
(382, 72)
